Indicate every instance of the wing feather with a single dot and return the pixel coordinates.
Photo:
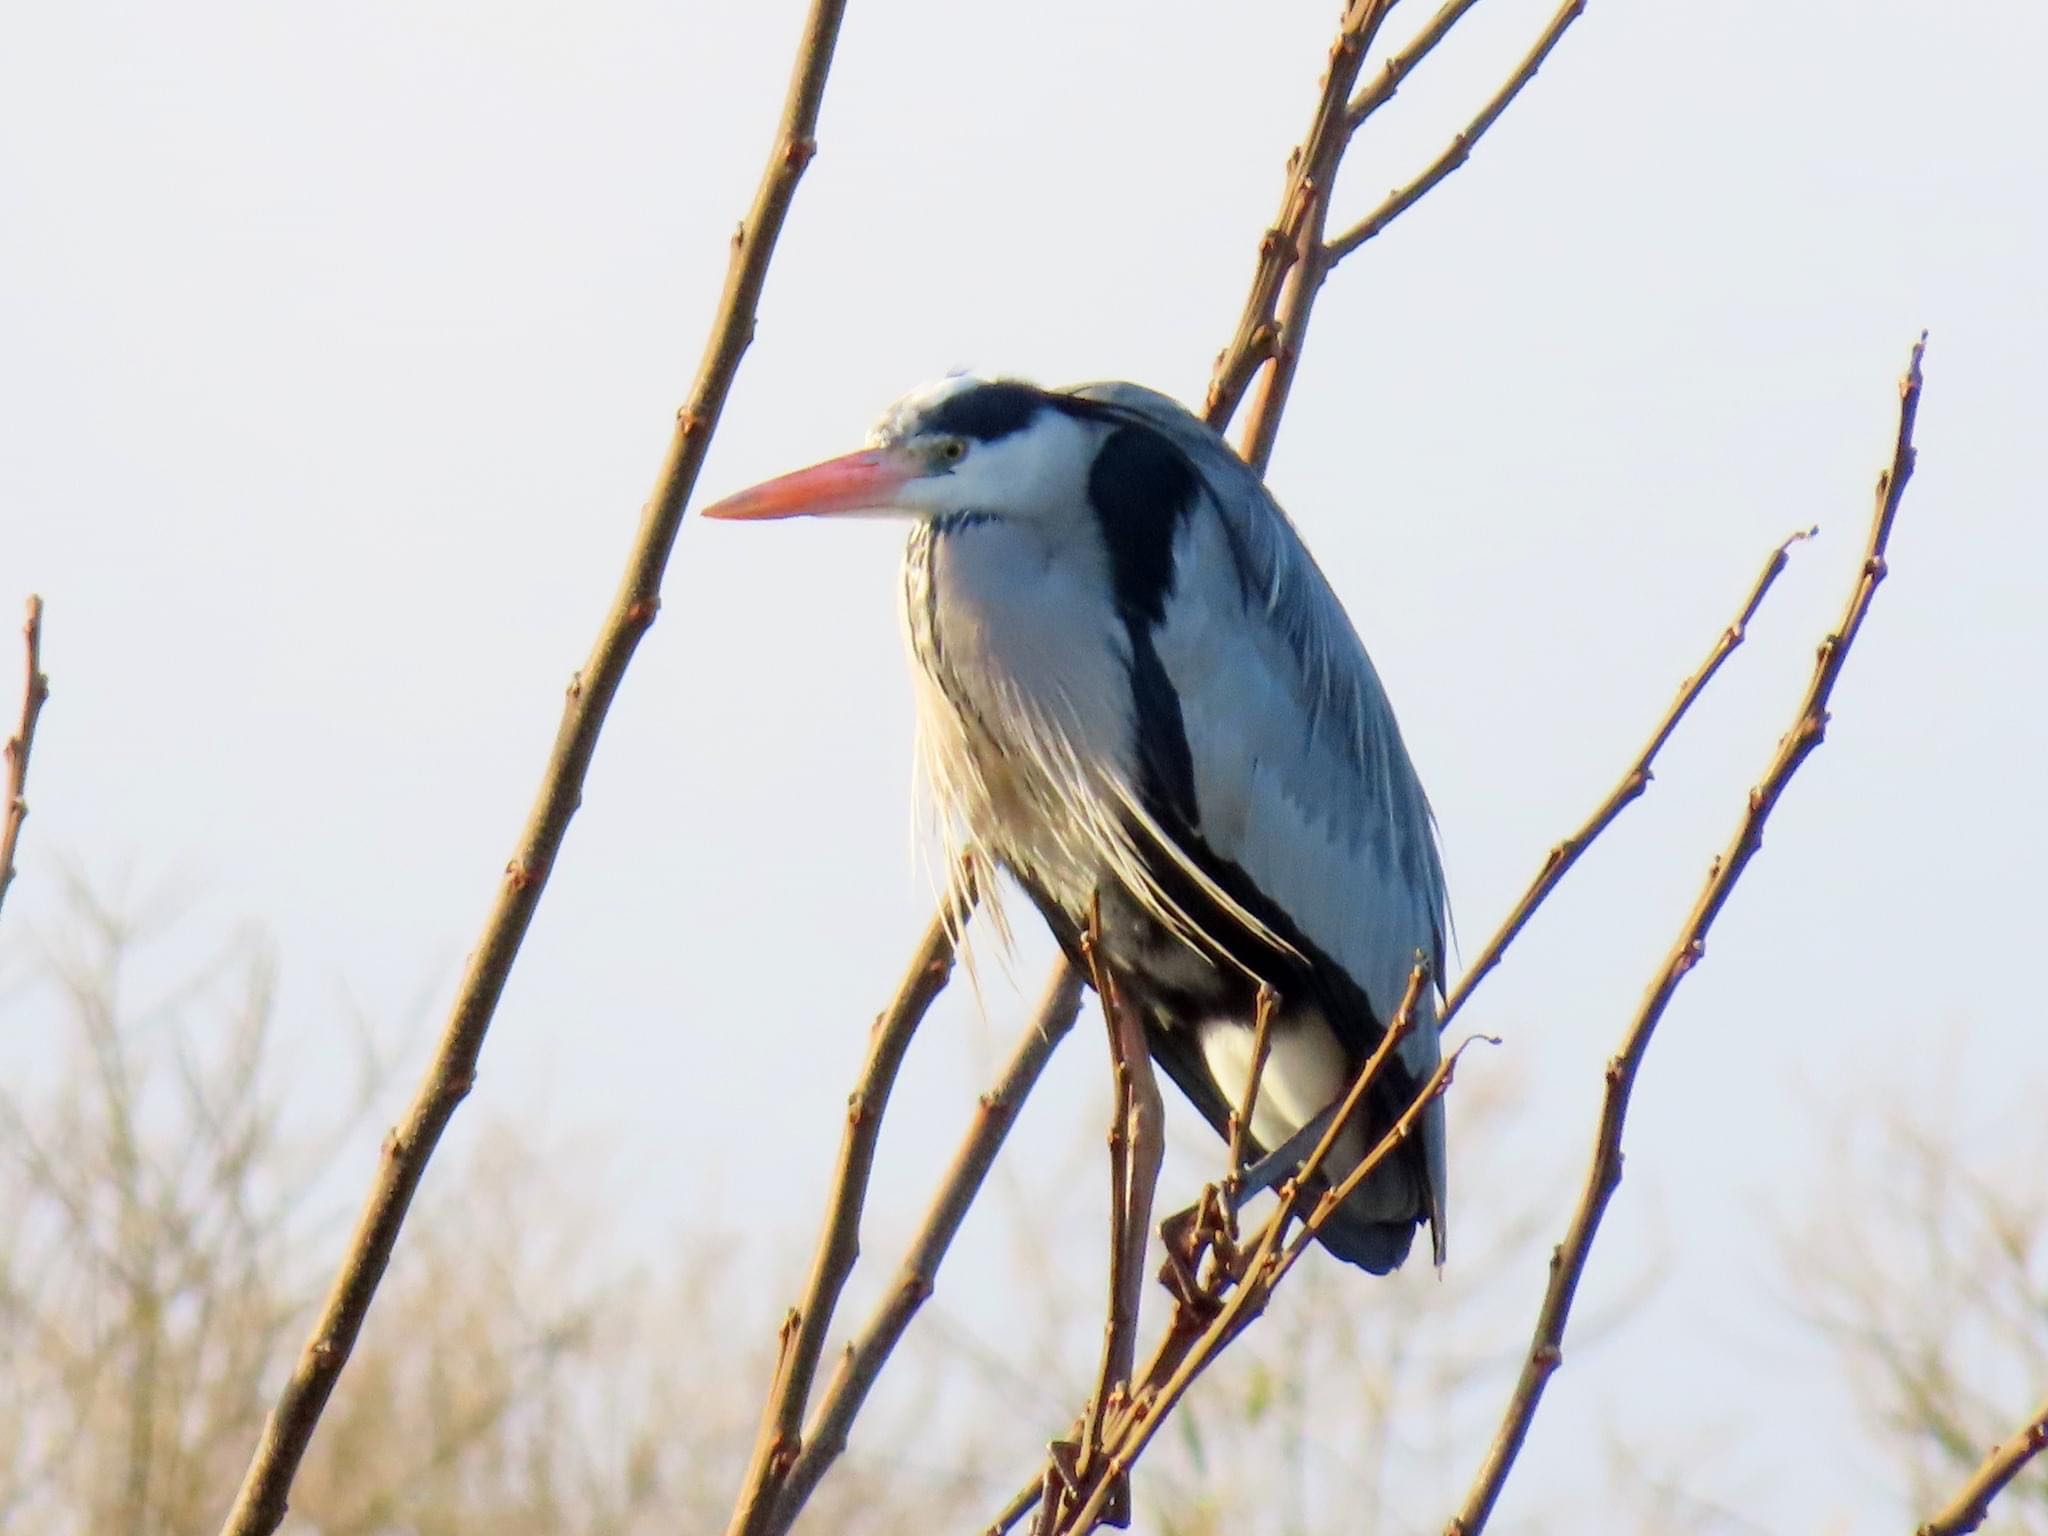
(1301, 777)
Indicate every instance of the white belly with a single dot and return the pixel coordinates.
(1305, 1072)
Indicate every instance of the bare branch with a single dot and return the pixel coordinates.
(1558, 862)
(1400, 65)
(1241, 1119)
(1809, 726)
(1021, 1504)
(1401, 199)
(869, 1350)
(1074, 1494)
(1193, 1341)
(1260, 336)
(1972, 1503)
(260, 1505)
(803, 1330)
(35, 691)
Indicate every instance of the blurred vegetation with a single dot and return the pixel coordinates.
(1943, 1337)
(172, 1219)
(172, 1210)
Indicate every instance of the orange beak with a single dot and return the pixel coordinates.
(856, 482)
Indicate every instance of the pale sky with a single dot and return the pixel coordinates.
(338, 348)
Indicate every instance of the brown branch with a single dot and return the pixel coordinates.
(260, 1505)
(1209, 1312)
(803, 1331)
(1460, 148)
(1400, 65)
(1558, 862)
(1241, 1119)
(1809, 726)
(1260, 336)
(1191, 1345)
(868, 1351)
(1402, 1026)
(35, 691)
(1972, 1503)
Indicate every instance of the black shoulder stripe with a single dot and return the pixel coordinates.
(1142, 487)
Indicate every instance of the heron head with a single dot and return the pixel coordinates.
(964, 445)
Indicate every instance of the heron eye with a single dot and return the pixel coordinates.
(952, 450)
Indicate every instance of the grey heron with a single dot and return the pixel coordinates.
(1138, 694)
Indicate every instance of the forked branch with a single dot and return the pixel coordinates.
(1603, 1177)
(1295, 257)
(1459, 150)
(260, 1505)
(1220, 1292)
(868, 1351)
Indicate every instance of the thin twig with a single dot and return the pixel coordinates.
(1604, 1176)
(1400, 65)
(1401, 199)
(1179, 1360)
(1120, 1323)
(260, 1505)
(779, 1441)
(1398, 1030)
(1558, 862)
(1021, 1504)
(1311, 169)
(1241, 1118)
(35, 691)
(868, 1351)
(1299, 266)
(1208, 1315)
(1972, 1503)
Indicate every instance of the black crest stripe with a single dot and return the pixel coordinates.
(986, 412)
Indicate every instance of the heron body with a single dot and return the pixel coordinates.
(1138, 695)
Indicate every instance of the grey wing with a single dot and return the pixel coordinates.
(1301, 777)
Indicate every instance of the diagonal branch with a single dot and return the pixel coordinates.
(1972, 1503)
(1558, 862)
(1191, 1345)
(260, 1505)
(868, 1351)
(35, 691)
(1260, 336)
(1401, 199)
(1399, 66)
(803, 1330)
(1809, 726)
